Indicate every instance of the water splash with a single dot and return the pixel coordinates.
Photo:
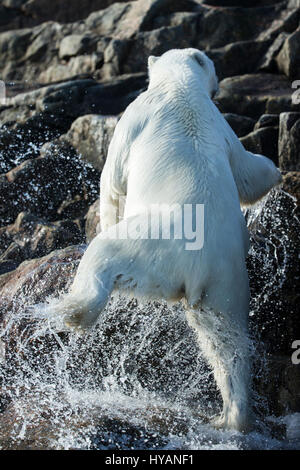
(137, 380)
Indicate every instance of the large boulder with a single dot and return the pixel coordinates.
(288, 57)
(238, 58)
(90, 135)
(268, 61)
(33, 237)
(219, 27)
(41, 185)
(39, 278)
(256, 94)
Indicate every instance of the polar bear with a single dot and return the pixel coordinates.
(173, 147)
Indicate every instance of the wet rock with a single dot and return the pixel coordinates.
(274, 271)
(288, 57)
(92, 221)
(90, 135)
(23, 141)
(41, 185)
(31, 237)
(291, 184)
(264, 141)
(79, 97)
(241, 125)
(283, 389)
(39, 278)
(256, 94)
(289, 141)
(60, 104)
(102, 429)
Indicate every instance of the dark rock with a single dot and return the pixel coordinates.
(219, 27)
(237, 58)
(92, 224)
(41, 185)
(156, 43)
(240, 3)
(141, 15)
(39, 116)
(283, 390)
(24, 140)
(175, 19)
(256, 94)
(267, 120)
(268, 62)
(32, 237)
(74, 99)
(241, 125)
(7, 266)
(286, 20)
(274, 272)
(16, 14)
(289, 141)
(263, 141)
(288, 57)
(52, 51)
(39, 278)
(59, 104)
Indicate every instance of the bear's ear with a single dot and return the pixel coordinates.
(151, 61)
(199, 58)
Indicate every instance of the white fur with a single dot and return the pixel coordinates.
(173, 146)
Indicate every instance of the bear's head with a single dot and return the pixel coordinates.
(188, 63)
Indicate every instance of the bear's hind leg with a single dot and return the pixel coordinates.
(92, 286)
(225, 346)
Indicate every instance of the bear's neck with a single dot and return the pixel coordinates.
(184, 80)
